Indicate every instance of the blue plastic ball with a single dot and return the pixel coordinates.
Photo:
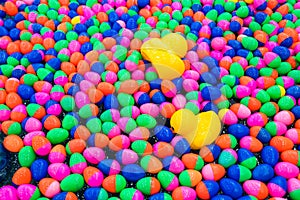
(270, 155)
(133, 172)
(39, 169)
(25, 91)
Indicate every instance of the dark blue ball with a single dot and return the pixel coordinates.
(89, 23)
(93, 193)
(131, 24)
(294, 91)
(196, 7)
(210, 93)
(233, 172)
(35, 56)
(125, 17)
(72, 14)
(230, 52)
(296, 111)
(219, 8)
(257, 53)
(235, 26)
(3, 31)
(3, 57)
(133, 172)
(216, 32)
(252, 72)
(18, 17)
(14, 34)
(37, 66)
(110, 102)
(158, 98)
(287, 42)
(135, 8)
(163, 133)
(49, 77)
(9, 24)
(270, 155)
(113, 17)
(212, 187)
(136, 17)
(79, 28)
(32, 8)
(288, 16)
(52, 52)
(263, 172)
(86, 47)
(77, 78)
(260, 17)
(236, 45)
(212, 25)
(36, 27)
(22, 7)
(196, 26)
(25, 91)
(281, 181)
(206, 9)
(210, 107)
(59, 35)
(116, 26)
(231, 187)
(17, 73)
(73, 90)
(238, 130)
(144, 98)
(110, 33)
(243, 53)
(143, 3)
(39, 169)
(155, 84)
(262, 7)
(263, 135)
(17, 55)
(244, 154)
(54, 63)
(187, 20)
(282, 52)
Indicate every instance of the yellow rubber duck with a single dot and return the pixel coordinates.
(199, 130)
(165, 55)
